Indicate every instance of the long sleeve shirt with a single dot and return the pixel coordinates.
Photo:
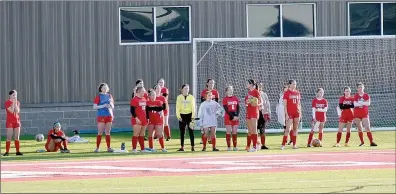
(265, 107)
(207, 113)
(185, 105)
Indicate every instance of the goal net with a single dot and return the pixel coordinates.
(327, 62)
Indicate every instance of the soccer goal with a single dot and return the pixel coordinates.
(327, 62)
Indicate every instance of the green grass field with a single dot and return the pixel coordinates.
(329, 181)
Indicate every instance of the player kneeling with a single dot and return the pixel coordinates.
(155, 114)
(56, 138)
(208, 112)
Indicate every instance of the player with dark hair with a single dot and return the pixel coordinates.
(104, 103)
(155, 114)
(139, 118)
(139, 83)
(253, 102)
(232, 108)
(346, 115)
(13, 122)
(165, 92)
(185, 113)
(319, 109)
(291, 100)
(55, 139)
(362, 102)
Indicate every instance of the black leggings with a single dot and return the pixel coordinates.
(261, 124)
(186, 120)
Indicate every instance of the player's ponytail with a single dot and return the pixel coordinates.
(252, 82)
(101, 86)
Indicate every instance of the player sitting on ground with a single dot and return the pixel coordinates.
(208, 112)
(76, 138)
(319, 109)
(56, 138)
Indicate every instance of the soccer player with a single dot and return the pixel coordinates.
(139, 83)
(346, 115)
(253, 102)
(139, 118)
(319, 109)
(232, 107)
(362, 102)
(208, 112)
(291, 100)
(55, 139)
(104, 103)
(165, 93)
(264, 114)
(210, 83)
(280, 111)
(185, 113)
(155, 112)
(13, 122)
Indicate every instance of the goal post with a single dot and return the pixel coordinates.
(326, 62)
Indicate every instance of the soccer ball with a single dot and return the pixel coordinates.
(39, 137)
(253, 101)
(316, 143)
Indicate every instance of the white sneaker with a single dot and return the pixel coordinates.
(110, 150)
(235, 149)
(134, 151)
(228, 149)
(164, 150)
(252, 150)
(337, 145)
(282, 147)
(295, 147)
(258, 146)
(96, 150)
(145, 151)
(153, 150)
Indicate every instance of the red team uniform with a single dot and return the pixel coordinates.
(104, 115)
(292, 98)
(12, 119)
(155, 117)
(140, 110)
(57, 145)
(346, 114)
(322, 103)
(361, 112)
(165, 91)
(232, 105)
(215, 94)
(252, 112)
(164, 101)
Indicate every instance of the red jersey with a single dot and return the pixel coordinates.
(232, 103)
(293, 99)
(164, 101)
(320, 103)
(346, 101)
(155, 115)
(252, 110)
(165, 91)
(11, 117)
(146, 95)
(361, 110)
(215, 94)
(52, 132)
(140, 107)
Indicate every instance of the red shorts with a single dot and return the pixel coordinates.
(104, 119)
(12, 125)
(321, 119)
(361, 115)
(231, 122)
(345, 118)
(156, 121)
(56, 147)
(143, 122)
(293, 115)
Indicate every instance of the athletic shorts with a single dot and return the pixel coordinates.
(104, 119)
(13, 125)
(143, 122)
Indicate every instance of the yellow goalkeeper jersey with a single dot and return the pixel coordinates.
(185, 105)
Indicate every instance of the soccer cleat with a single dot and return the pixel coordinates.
(110, 150)
(134, 151)
(235, 149)
(282, 147)
(252, 150)
(145, 151)
(203, 149)
(215, 150)
(309, 145)
(337, 145)
(346, 145)
(155, 137)
(65, 151)
(168, 138)
(192, 149)
(19, 154)
(264, 147)
(373, 144)
(362, 144)
(258, 146)
(96, 150)
(164, 150)
(201, 142)
(180, 150)
(228, 149)
(290, 142)
(295, 147)
(5, 154)
(153, 150)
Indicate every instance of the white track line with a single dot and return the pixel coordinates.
(5, 164)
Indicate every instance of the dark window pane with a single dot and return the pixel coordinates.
(365, 19)
(389, 18)
(173, 24)
(137, 24)
(263, 21)
(298, 20)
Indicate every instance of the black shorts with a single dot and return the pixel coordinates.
(261, 123)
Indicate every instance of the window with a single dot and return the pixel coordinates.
(171, 25)
(281, 20)
(369, 18)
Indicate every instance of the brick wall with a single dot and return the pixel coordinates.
(39, 120)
